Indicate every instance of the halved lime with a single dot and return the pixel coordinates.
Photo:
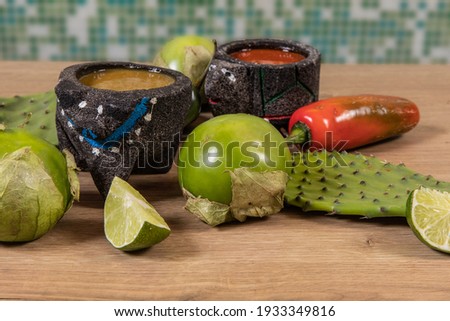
(131, 223)
(428, 215)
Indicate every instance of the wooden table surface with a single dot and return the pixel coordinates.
(289, 256)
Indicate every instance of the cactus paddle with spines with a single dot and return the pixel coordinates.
(34, 113)
(353, 184)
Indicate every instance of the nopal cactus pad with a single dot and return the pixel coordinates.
(34, 113)
(353, 184)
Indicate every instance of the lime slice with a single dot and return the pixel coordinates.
(131, 223)
(428, 215)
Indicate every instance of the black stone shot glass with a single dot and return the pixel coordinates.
(271, 91)
(119, 132)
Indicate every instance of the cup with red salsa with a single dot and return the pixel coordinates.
(270, 78)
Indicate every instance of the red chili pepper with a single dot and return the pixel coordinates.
(348, 122)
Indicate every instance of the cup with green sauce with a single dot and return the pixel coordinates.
(119, 118)
(270, 78)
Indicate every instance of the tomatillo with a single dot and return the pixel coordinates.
(191, 55)
(38, 184)
(224, 143)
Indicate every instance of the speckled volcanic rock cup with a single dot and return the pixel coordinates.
(272, 91)
(117, 132)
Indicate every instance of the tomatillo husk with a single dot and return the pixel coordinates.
(38, 184)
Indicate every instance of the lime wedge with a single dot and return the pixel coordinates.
(428, 215)
(131, 223)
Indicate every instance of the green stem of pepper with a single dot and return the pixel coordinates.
(300, 134)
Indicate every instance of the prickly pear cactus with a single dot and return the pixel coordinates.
(34, 113)
(353, 184)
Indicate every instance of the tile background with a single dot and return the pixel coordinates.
(345, 31)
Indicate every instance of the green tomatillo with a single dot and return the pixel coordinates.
(233, 166)
(38, 184)
(190, 55)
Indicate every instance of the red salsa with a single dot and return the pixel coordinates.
(268, 56)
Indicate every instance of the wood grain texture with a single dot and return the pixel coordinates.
(289, 256)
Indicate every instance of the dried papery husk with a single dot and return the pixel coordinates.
(255, 194)
(30, 202)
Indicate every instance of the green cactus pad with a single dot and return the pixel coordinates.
(34, 113)
(353, 184)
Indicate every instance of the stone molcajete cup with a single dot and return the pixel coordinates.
(272, 91)
(114, 132)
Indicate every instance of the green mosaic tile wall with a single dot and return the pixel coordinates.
(345, 31)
